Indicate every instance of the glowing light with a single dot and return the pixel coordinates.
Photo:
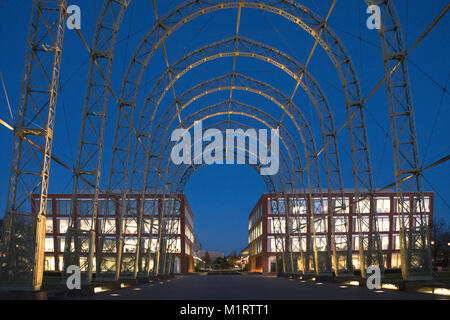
(319, 283)
(379, 291)
(343, 287)
(442, 291)
(114, 294)
(137, 289)
(389, 286)
(352, 283)
(99, 289)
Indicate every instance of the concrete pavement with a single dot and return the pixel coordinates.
(249, 287)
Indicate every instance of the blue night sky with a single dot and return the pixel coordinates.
(221, 196)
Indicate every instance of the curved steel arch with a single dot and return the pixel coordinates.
(209, 112)
(253, 49)
(129, 267)
(190, 170)
(249, 85)
(280, 239)
(116, 9)
(259, 51)
(336, 53)
(242, 83)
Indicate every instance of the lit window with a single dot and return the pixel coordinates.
(356, 242)
(340, 242)
(109, 245)
(108, 226)
(384, 242)
(341, 205)
(398, 224)
(403, 206)
(49, 244)
(85, 224)
(49, 226)
(395, 260)
(321, 243)
(320, 224)
(154, 244)
(383, 224)
(363, 206)
(297, 244)
(355, 261)
(62, 242)
(63, 225)
(174, 245)
(49, 263)
(383, 205)
(275, 244)
(299, 224)
(130, 226)
(130, 245)
(424, 207)
(172, 226)
(364, 224)
(396, 242)
(340, 224)
(420, 220)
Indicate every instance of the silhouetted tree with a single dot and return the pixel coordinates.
(440, 248)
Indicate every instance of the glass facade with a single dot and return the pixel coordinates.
(177, 228)
(308, 224)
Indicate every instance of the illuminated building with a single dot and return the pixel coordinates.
(264, 227)
(179, 226)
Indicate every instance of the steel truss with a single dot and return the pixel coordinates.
(415, 242)
(249, 85)
(252, 49)
(334, 49)
(415, 246)
(188, 172)
(22, 247)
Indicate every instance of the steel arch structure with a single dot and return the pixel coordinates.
(252, 49)
(248, 85)
(334, 49)
(280, 238)
(415, 245)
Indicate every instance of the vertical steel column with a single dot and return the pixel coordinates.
(415, 242)
(22, 261)
(90, 145)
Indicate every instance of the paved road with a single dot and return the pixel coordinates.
(248, 287)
